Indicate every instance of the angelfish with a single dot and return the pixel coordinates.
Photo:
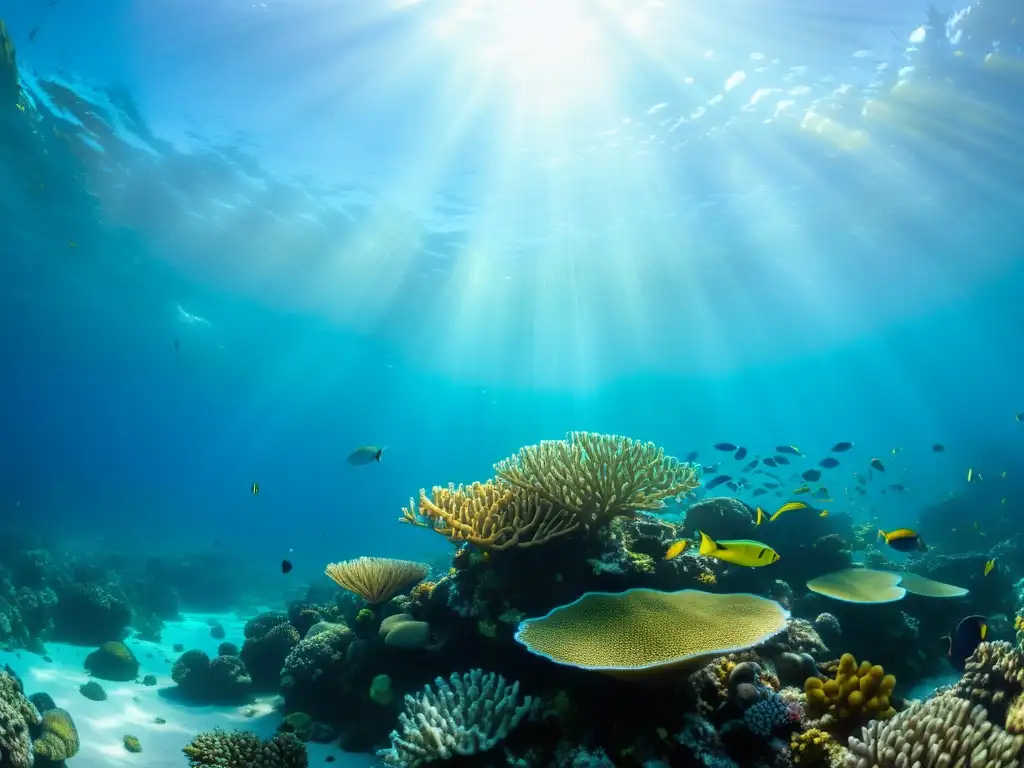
(365, 454)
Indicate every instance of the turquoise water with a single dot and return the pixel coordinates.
(240, 240)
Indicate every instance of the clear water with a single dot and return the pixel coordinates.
(240, 239)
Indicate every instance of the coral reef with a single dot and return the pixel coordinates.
(59, 737)
(269, 638)
(376, 579)
(88, 614)
(994, 678)
(467, 715)
(17, 716)
(242, 749)
(112, 661)
(223, 680)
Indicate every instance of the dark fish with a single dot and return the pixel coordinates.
(366, 454)
(286, 566)
(741, 454)
(969, 634)
(860, 478)
(770, 485)
(792, 450)
(782, 460)
(812, 475)
(760, 491)
(732, 486)
(715, 482)
(821, 493)
(710, 469)
(752, 464)
(861, 491)
(841, 447)
(255, 489)
(898, 487)
(829, 463)
(876, 464)
(903, 540)
(177, 346)
(33, 33)
(692, 456)
(1019, 415)
(771, 462)
(939, 448)
(724, 447)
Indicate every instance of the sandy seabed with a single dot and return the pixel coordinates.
(133, 708)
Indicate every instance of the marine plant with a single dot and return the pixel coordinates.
(492, 515)
(375, 579)
(598, 477)
(465, 715)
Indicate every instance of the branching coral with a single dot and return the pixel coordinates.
(375, 579)
(242, 749)
(943, 731)
(598, 477)
(17, 715)
(465, 716)
(994, 678)
(491, 515)
(855, 694)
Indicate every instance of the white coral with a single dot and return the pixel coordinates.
(466, 715)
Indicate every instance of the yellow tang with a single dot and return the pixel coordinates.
(752, 554)
(676, 548)
(787, 507)
(255, 488)
(989, 566)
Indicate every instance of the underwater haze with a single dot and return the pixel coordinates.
(241, 240)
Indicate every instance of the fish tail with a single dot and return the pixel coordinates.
(707, 544)
(377, 455)
(882, 534)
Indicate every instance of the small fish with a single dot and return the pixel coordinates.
(773, 486)
(938, 447)
(895, 451)
(812, 475)
(733, 486)
(761, 517)
(72, 244)
(898, 487)
(255, 489)
(822, 493)
(692, 456)
(762, 492)
(715, 482)
(823, 513)
(32, 34)
(877, 464)
(708, 469)
(752, 554)
(676, 548)
(802, 489)
(1002, 500)
(989, 567)
(752, 464)
(969, 634)
(970, 474)
(366, 454)
(903, 540)
(859, 478)
(286, 566)
(829, 463)
(842, 447)
(782, 460)
(792, 450)
(1019, 415)
(1003, 474)
(771, 462)
(177, 346)
(724, 447)
(741, 454)
(787, 507)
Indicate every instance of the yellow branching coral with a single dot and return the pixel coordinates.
(856, 693)
(375, 579)
(599, 477)
(491, 515)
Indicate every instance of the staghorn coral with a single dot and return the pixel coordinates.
(598, 477)
(375, 579)
(242, 749)
(465, 716)
(17, 716)
(943, 731)
(491, 515)
(855, 694)
(59, 737)
(644, 632)
(994, 678)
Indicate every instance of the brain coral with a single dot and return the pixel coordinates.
(943, 731)
(17, 715)
(112, 661)
(644, 632)
(59, 738)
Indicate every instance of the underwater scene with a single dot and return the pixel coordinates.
(544, 383)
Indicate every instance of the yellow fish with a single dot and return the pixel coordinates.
(896, 450)
(787, 507)
(989, 566)
(255, 488)
(676, 549)
(978, 528)
(823, 513)
(970, 474)
(761, 517)
(752, 554)
(802, 489)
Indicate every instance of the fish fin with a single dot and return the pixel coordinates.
(377, 455)
(707, 544)
(882, 534)
(984, 631)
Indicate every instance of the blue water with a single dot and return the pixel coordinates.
(452, 233)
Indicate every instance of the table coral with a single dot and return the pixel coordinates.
(599, 477)
(943, 731)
